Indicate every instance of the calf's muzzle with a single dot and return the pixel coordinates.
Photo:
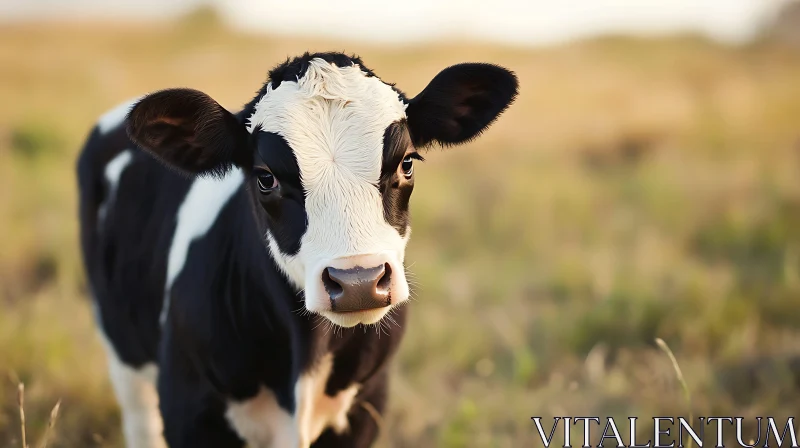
(358, 288)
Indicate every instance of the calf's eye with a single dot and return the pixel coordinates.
(266, 182)
(408, 167)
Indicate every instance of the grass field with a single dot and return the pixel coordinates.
(638, 189)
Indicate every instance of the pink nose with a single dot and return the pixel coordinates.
(358, 288)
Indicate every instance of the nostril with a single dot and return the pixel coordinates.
(384, 283)
(332, 286)
(358, 288)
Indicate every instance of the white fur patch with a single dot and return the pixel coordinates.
(317, 411)
(138, 399)
(334, 119)
(113, 172)
(263, 423)
(197, 214)
(114, 117)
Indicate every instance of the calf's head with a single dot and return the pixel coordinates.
(328, 152)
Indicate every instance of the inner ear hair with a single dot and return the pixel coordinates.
(460, 103)
(189, 131)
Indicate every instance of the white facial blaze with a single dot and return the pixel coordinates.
(334, 119)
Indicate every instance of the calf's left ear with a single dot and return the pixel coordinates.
(189, 131)
(460, 103)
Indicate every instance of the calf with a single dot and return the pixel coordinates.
(247, 269)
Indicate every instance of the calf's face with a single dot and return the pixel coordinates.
(329, 152)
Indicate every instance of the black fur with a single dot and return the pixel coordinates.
(285, 215)
(189, 131)
(126, 276)
(395, 189)
(460, 103)
(295, 68)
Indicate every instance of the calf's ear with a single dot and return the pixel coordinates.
(189, 131)
(460, 103)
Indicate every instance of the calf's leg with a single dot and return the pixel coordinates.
(364, 419)
(136, 394)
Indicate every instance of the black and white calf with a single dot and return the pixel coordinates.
(236, 260)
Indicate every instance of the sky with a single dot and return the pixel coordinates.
(525, 22)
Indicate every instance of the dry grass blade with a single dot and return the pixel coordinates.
(665, 348)
(50, 424)
(373, 413)
(21, 403)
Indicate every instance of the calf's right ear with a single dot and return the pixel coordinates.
(189, 131)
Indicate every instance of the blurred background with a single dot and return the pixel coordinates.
(645, 184)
